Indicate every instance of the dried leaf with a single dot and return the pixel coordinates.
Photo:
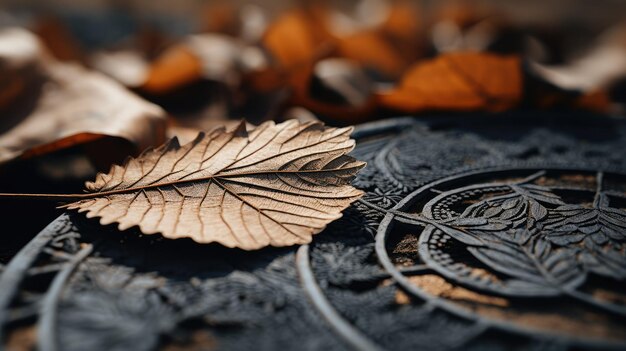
(247, 22)
(213, 57)
(176, 67)
(69, 106)
(20, 54)
(128, 67)
(276, 185)
(58, 39)
(403, 23)
(385, 41)
(459, 81)
(294, 38)
(221, 17)
(469, 81)
(335, 88)
(186, 134)
(374, 51)
(598, 68)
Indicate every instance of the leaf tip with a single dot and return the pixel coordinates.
(241, 130)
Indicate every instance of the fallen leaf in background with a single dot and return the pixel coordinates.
(404, 29)
(373, 51)
(458, 82)
(294, 38)
(384, 37)
(214, 57)
(454, 28)
(247, 22)
(176, 67)
(128, 67)
(598, 68)
(381, 36)
(335, 88)
(224, 59)
(220, 17)
(275, 185)
(19, 66)
(240, 64)
(471, 81)
(293, 41)
(58, 40)
(71, 106)
(128, 61)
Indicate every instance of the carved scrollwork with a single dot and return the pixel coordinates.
(471, 235)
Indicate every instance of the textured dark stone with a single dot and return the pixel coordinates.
(503, 232)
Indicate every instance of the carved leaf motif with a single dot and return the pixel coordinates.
(275, 185)
(534, 264)
(604, 260)
(505, 232)
(601, 229)
(525, 206)
(572, 223)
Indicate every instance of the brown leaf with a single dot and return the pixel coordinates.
(176, 67)
(128, 67)
(213, 57)
(459, 81)
(373, 50)
(469, 81)
(18, 64)
(334, 88)
(69, 106)
(404, 29)
(598, 68)
(294, 38)
(186, 134)
(58, 39)
(221, 17)
(275, 185)
(385, 42)
(247, 22)
(596, 73)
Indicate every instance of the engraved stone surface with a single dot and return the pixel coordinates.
(500, 232)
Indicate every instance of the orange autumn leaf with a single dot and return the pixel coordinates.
(303, 37)
(458, 81)
(598, 101)
(542, 93)
(358, 110)
(402, 20)
(373, 50)
(210, 57)
(292, 39)
(176, 67)
(220, 18)
(404, 30)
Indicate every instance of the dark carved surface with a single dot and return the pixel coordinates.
(480, 233)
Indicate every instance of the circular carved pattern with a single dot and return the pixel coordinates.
(416, 264)
(491, 242)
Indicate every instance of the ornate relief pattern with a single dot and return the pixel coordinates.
(472, 234)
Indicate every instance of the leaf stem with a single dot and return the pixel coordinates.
(71, 197)
(67, 197)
